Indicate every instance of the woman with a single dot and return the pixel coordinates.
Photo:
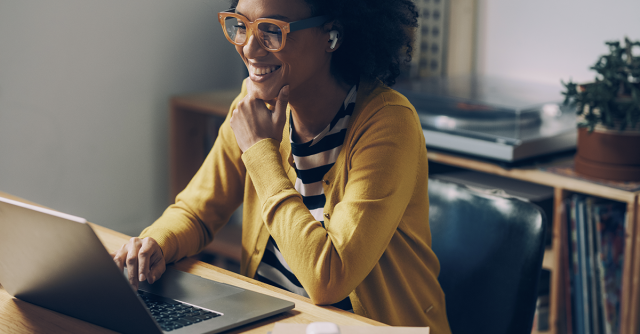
(329, 162)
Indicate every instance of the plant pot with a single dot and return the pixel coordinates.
(608, 154)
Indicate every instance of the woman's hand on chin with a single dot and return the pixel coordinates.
(252, 121)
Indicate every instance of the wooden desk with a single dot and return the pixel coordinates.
(17, 316)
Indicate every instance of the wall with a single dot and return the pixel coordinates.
(84, 87)
(549, 40)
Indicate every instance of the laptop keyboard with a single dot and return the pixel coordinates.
(171, 314)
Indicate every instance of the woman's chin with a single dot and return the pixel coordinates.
(265, 93)
(268, 96)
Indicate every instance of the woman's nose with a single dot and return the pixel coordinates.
(253, 49)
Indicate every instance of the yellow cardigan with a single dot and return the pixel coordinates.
(376, 243)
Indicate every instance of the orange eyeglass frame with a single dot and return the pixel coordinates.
(285, 27)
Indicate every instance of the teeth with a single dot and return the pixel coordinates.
(264, 70)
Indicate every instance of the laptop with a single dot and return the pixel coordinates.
(56, 261)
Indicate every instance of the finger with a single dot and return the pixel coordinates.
(283, 96)
(144, 259)
(132, 261)
(120, 257)
(158, 266)
(280, 111)
(250, 88)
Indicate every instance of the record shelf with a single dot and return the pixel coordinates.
(564, 187)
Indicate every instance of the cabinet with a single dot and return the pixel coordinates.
(553, 260)
(194, 120)
(193, 126)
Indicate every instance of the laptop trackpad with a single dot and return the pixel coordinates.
(188, 288)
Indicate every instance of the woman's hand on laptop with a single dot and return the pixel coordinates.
(143, 258)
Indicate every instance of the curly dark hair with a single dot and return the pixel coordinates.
(377, 36)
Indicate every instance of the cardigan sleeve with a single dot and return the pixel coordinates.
(382, 160)
(208, 201)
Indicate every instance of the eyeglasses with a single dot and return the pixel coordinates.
(270, 33)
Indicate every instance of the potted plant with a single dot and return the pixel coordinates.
(609, 116)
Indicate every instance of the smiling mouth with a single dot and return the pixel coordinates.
(264, 70)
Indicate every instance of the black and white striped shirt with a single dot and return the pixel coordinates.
(313, 160)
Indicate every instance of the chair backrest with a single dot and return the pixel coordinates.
(490, 250)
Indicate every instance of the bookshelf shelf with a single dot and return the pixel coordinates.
(194, 118)
(564, 187)
(549, 259)
(191, 120)
(541, 332)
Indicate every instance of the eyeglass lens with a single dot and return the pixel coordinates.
(269, 34)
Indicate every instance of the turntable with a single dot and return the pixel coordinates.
(494, 118)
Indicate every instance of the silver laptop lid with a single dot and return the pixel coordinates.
(56, 261)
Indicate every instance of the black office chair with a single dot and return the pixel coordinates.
(490, 250)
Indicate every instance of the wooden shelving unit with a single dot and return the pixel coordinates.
(191, 120)
(553, 259)
(194, 117)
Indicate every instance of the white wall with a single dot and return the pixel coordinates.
(549, 40)
(84, 87)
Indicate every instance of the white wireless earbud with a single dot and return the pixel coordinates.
(333, 37)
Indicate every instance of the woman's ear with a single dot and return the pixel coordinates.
(333, 38)
(334, 32)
